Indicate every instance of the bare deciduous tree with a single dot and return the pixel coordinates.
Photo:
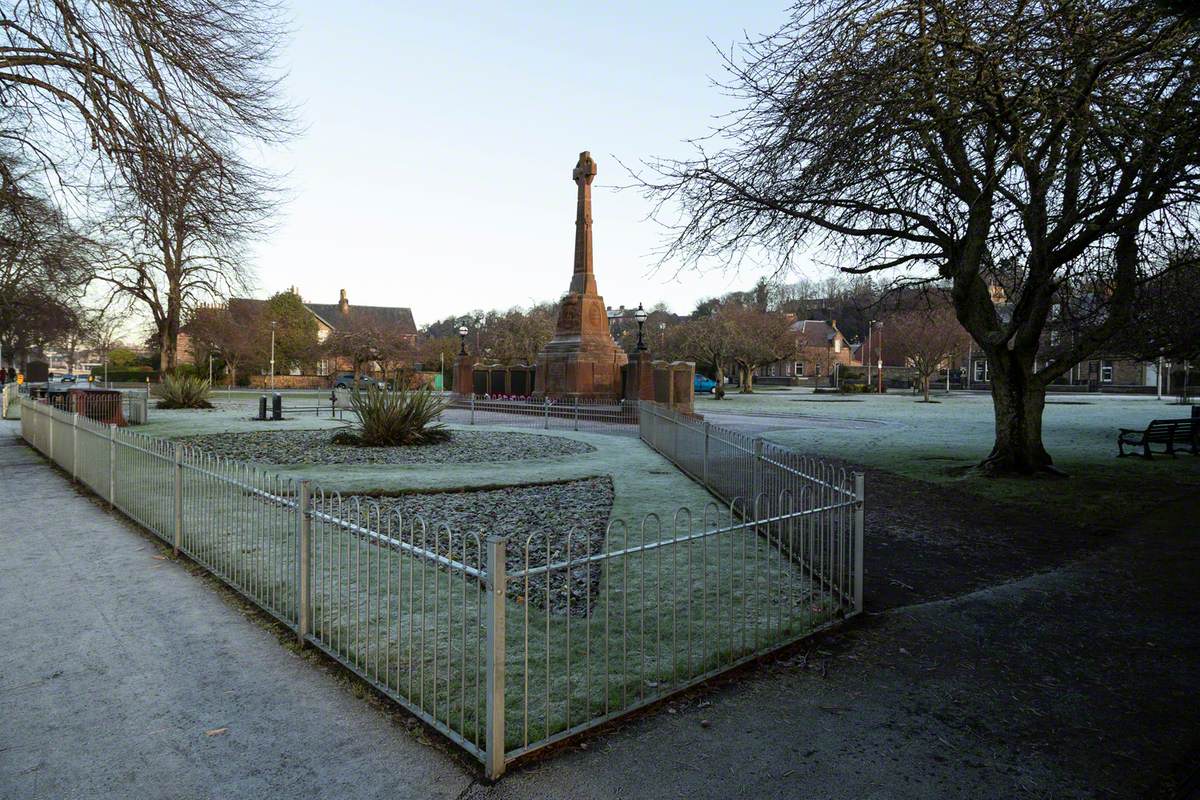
(759, 338)
(516, 336)
(161, 97)
(709, 341)
(87, 74)
(235, 331)
(44, 265)
(926, 338)
(1008, 148)
(178, 234)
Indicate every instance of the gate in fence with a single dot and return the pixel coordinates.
(503, 645)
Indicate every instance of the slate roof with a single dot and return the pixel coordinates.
(813, 332)
(331, 315)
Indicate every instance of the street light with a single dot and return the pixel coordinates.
(867, 360)
(879, 348)
(640, 315)
(462, 340)
(662, 335)
(272, 355)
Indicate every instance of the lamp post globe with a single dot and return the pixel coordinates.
(462, 340)
(640, 315)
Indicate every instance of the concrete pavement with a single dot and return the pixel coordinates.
(122, 675)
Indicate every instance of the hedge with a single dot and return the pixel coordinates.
(126, 375)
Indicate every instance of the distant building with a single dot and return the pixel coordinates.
(820, 347)
(331, 317)
(1099, 371)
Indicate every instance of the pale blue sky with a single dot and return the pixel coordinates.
(435, 168)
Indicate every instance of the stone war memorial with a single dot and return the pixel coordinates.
(582, 360)
(582, 363)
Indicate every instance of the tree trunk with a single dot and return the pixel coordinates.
(719, 391)
(925, 386)
(747, 380)
(173, 339)
(164, 346)
(1018, 401)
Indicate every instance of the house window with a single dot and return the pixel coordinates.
(1106, 372)
(770, 370)
(800, 369)
(817, 371)
(981, 371)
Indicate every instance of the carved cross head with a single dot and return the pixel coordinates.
(585, 170)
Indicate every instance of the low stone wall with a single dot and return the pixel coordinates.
(290, 381)
(416, 379)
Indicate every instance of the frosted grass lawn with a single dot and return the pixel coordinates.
(643, 481)
(414, 629)
(939, 442)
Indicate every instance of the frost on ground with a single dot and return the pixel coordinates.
(959, 427)
(315, 447)
(544, 524)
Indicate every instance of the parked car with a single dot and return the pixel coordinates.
(703, 385)
(69, 378)
(345, 380)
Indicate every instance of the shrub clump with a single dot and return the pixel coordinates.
(395, 418)
(182, 391)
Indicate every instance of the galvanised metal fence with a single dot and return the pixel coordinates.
(733, 465)
(503, 645)
(595, 415)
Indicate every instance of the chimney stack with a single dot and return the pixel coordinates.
(344, 304)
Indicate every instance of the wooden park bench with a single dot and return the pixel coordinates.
(1166, 432)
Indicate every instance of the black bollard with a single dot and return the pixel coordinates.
(277, 406)
(1195, 412)
(262, 407)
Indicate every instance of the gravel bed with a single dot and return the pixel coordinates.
(549, 516)
(315, 447)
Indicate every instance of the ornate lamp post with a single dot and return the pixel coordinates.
(640, 315)
(272, 355)
(462, 340)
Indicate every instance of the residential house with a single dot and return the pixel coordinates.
(820, 348)
(331, 318)
(1099, 371)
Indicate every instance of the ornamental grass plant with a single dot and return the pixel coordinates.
(183, 391)
(395, 418)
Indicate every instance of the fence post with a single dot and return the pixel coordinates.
(675, 426)
(860, 512)
(304, 560)
(577, 412)
(472, 408)
(756, 474)
(75, 446)
(112, 466)
(546, 413)
(496, 582)
(704, 468)
(50, 439)
(178, 539)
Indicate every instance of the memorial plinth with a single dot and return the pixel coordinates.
(582, 360)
